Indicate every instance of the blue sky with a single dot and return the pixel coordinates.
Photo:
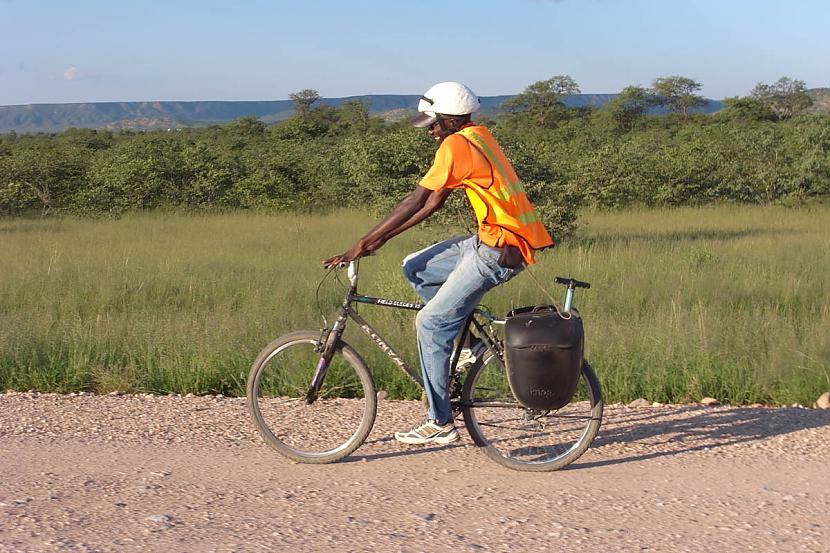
(145, 50)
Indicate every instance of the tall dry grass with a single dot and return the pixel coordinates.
(730, 302)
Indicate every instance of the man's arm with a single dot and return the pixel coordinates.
(434, 202)
(403, 216)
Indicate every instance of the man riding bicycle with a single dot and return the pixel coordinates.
(452, 276)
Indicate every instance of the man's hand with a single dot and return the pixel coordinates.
(357, 251)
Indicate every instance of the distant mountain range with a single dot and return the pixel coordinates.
(48, 118)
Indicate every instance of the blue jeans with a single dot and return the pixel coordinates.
(451, 277)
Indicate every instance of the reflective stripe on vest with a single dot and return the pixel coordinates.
(510, 210)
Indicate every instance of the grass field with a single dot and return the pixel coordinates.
(729, 302)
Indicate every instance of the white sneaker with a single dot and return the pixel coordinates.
(429, 433)
(468, 356)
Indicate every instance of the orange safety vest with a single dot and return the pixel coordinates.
(505, 216)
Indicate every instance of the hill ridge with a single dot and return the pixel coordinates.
(57, 117)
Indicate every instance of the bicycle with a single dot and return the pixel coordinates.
(313, 398)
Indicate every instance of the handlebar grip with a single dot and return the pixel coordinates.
(571, 282)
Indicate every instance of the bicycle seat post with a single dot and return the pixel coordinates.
(569, 299)
(571, 285)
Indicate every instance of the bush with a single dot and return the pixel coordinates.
(341, 157)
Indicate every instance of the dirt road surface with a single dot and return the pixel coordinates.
(165, 473)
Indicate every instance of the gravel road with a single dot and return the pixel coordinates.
(165, 473)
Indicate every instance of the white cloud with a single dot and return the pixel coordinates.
(74, 74)
(71, 73)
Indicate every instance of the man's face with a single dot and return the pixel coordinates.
(437, 132)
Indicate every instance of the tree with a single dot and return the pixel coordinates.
(677, 94)
(142, 173)
(91, 139)
(542, 101)
(246, 127)
(747, 108)
(42, 175)
(352, 117)
(304, 99)
(631, 105)
(785, 97)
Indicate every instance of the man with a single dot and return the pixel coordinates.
(452, 276)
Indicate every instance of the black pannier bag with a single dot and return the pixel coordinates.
(543, 355)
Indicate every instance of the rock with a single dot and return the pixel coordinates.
(425, 516)
(823, 402)
(656, 404)
(709, 402)
(382, 395)
(756, 405)
(640, 402)
(163, 519)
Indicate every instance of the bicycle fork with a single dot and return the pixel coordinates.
(327, 346)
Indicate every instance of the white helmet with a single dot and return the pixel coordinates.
(448, 98)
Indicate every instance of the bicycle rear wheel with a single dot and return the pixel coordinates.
(524, 439)
(326, 430)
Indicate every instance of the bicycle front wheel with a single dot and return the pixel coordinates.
(331, 427)
(526, 439)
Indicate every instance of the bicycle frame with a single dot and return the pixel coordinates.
(328, 342)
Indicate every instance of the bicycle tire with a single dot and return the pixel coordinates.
(276, 390)
(492, 427)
